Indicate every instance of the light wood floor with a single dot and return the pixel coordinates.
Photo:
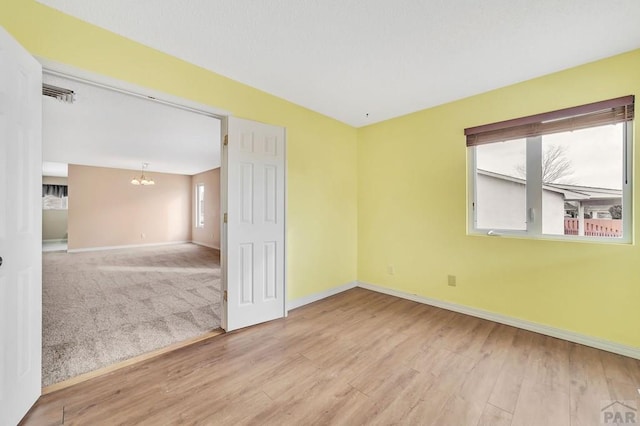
(358, 358)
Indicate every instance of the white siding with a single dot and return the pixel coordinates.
(552, 213)
(501, 204)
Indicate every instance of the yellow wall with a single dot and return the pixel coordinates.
(321, 213)
(412, 214)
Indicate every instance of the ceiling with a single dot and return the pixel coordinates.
(110, 129)
(364, 61)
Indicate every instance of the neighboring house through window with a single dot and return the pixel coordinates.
(562, 174)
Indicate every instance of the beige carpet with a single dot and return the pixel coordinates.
(103, 307)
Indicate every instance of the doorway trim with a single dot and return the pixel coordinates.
(110, 83)
(69, 72)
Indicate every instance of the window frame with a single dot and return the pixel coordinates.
(534, 196)
(199, 206)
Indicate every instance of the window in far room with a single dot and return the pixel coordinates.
(563, 174)
(199, 207)
(54, 197)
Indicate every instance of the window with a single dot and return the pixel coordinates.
(563, 174)
(54, 197)
(199, 207)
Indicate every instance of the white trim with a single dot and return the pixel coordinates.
(81, 250)
(627, 184)
(570, 336)
(61, 240)
(224, 126)
(198, 243)
(285, 285)
(293, 304)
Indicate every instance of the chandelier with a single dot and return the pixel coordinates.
(143, 180)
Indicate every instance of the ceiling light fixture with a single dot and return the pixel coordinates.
(143, 180)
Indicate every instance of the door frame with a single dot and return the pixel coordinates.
(224, 201)
(70, 72)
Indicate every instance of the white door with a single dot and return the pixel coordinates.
(255, 230)
(20, 230)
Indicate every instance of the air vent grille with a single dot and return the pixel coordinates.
(59, 93)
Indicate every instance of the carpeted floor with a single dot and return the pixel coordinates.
(103, 307)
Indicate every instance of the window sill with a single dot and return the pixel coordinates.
(562, 239)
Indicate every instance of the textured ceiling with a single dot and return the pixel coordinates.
(110, 129)
(384, 58)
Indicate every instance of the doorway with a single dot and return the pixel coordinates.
(142, 271)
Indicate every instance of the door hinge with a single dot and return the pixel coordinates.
(226, 140)
(224, 218)
(224, 296)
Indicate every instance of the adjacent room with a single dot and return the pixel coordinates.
(130, 223)
(459, 181)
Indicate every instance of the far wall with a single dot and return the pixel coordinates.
(106, 210)
(209, 235)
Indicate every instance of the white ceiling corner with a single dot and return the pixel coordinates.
(384, 58)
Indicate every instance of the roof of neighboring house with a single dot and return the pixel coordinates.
(591, 192)
(570, 192)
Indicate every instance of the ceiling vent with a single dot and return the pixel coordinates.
(63, 95)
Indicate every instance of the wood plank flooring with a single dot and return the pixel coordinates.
(357, 358)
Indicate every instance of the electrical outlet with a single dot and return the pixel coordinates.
(451, 280)
(391, 270)
(143, 235)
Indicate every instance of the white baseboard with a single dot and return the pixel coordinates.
(594, 342)
(80, 250)
(62, 240)
(570, 336)
(198, 243)
(293, 304)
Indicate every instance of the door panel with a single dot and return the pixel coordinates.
(20, 230)
(255, 229)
